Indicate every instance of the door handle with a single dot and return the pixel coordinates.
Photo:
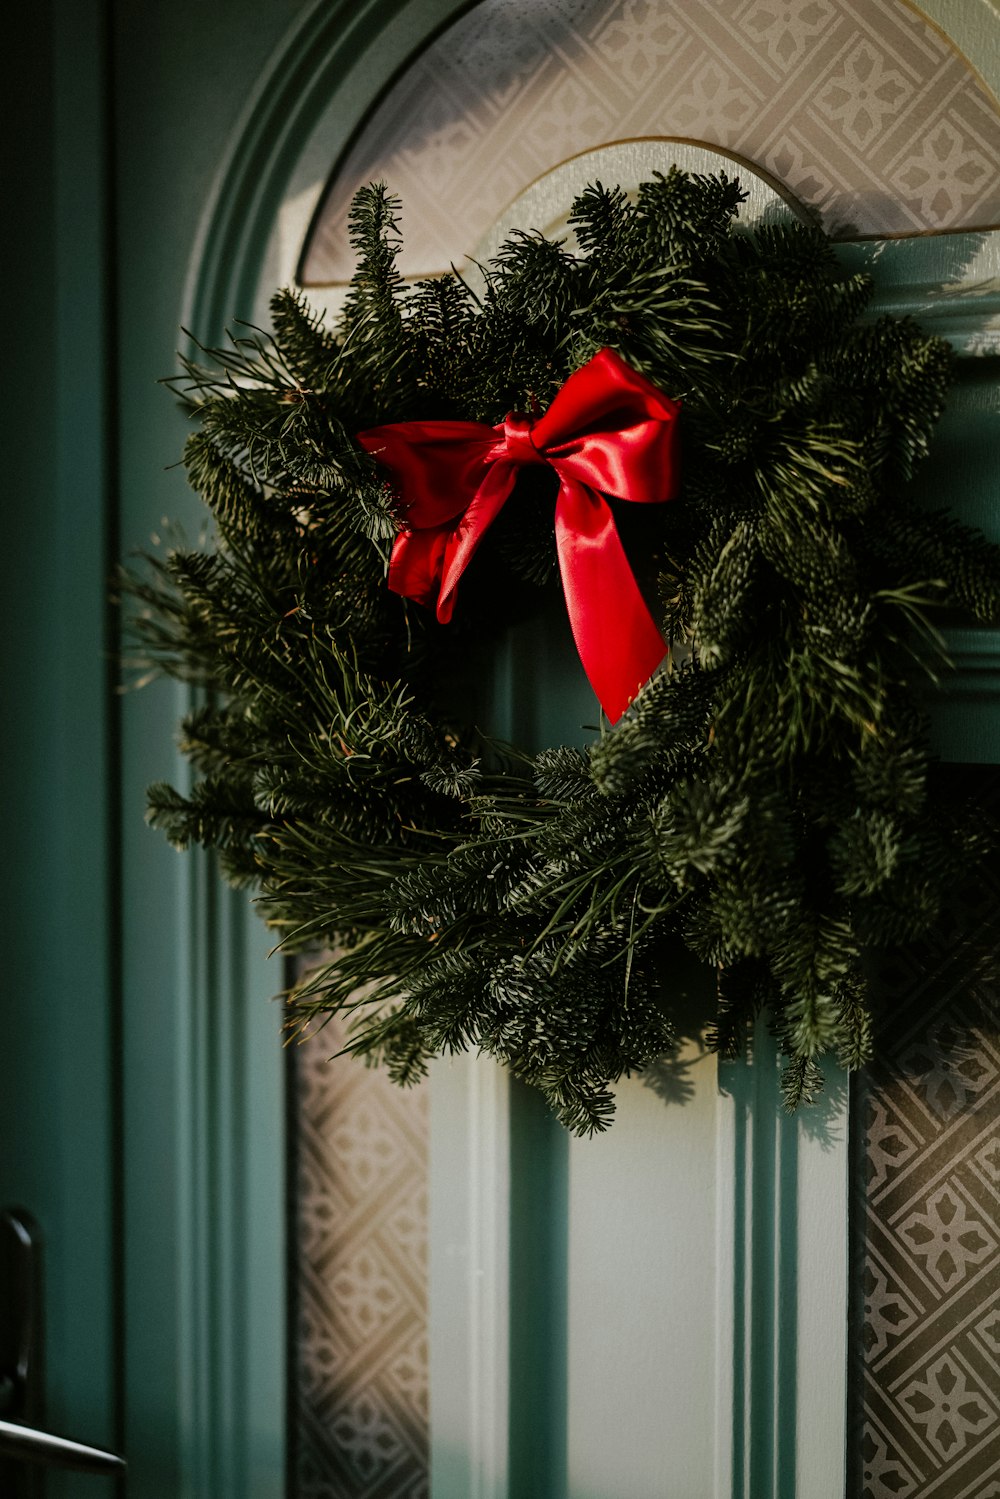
(22, 1373)
(27, 1444)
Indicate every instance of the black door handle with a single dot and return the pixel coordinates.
(27, 1444)
(22, 1439)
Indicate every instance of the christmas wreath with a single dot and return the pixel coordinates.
(679, 431)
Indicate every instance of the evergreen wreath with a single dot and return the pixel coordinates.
(765, 801)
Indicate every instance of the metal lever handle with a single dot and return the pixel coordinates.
(29, 1445)
(21, 1373)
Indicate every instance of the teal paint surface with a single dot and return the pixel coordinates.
(765, 1278)
(109, 1213)
(146, 1154)
(203, 161)
(333, 63)
(948, 283)
(539, 1240)
(203, 1068)
(57, 1015)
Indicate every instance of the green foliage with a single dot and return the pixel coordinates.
(764, 802)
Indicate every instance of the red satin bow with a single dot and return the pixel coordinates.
(608, 431)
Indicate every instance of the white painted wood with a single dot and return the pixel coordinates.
(821, 1256)
(707, 1328)
(643, 1314)
(725, 1309)
(469, 1235)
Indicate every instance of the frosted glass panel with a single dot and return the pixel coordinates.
(865, 112)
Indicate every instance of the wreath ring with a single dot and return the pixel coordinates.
(763, 803)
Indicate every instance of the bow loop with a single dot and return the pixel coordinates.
(607, 431)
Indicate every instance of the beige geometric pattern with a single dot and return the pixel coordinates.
(358, 1407)
(860, 107)
(925, 1377)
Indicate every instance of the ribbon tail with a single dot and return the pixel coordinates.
(469, 530)
(427, 563)
(417, 562)
(616, 636)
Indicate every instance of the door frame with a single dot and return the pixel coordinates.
(58, 1104)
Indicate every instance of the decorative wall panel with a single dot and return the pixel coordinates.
(359, 1379)
(860, 107)
(925, 1387)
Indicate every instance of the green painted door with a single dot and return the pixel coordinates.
(134, 1009)
(57, 1091)
(148, 152)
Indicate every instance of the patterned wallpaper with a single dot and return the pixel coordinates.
(359, 1378)
(861, 107)
(925, 1382)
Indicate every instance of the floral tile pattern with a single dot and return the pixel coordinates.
(358, 1414)
(925, 1377)
(865, 111)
